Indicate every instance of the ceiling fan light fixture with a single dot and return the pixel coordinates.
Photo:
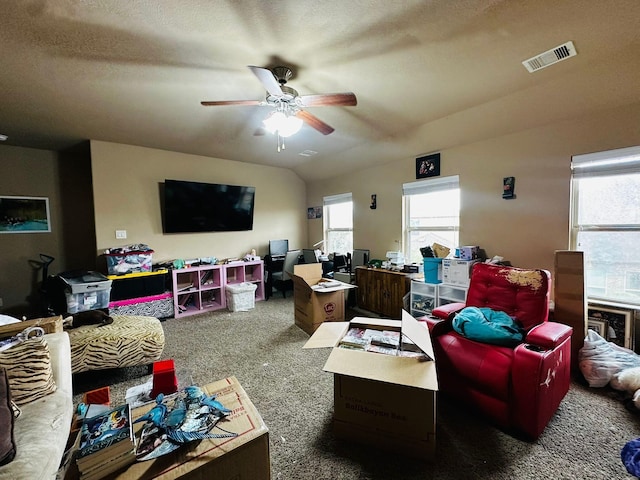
(283, 124)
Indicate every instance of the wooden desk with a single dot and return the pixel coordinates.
(382, 291)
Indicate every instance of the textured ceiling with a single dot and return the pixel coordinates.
(427, 74)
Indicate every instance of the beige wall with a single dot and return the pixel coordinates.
(126, 196)
(525, 230)
(31, 173)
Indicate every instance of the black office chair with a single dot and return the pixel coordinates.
(282, 280)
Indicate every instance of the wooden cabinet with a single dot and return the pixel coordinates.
(201, 289)
(382, 291)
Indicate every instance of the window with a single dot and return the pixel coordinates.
(338, 223)
(431, 215)
(605, 222)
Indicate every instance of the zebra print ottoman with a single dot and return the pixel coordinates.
(129, 341)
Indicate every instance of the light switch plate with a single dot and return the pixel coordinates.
(121, 234)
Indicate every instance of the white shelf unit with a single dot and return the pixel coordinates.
(198, 289)
(250, 272)
(424, 297)
(449, 293)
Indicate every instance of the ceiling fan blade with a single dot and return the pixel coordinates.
(346, 99)
(267, 79)
(231, 102)
(314, 122)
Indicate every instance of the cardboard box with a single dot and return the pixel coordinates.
(469, 252)
(48, 324)
(314, 302)
(245, 457)
(382, 400)
(457, 272)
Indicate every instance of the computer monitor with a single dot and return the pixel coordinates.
(359, 257)
(309, 255)
(278, 248)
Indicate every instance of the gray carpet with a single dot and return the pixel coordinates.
(263, 349)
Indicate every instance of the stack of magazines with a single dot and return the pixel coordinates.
(387, 342)
(107, 443)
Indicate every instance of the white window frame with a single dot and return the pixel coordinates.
(600, 164)
(327, 202)
(427, 186)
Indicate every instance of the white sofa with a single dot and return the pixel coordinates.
(42, 430)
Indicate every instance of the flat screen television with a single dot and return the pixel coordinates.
(191, 207)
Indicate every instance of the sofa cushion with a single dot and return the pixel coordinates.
(28, 366)
(7, 443)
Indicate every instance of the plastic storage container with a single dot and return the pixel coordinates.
(241, 296)
(85, 291)
(130, 262)
(432, 270)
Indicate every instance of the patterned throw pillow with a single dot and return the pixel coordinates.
(28, 366)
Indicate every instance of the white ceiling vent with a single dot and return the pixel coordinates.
(550, 57)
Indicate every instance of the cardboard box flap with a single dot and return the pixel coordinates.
(408, 371)
(309, 273)
(418, 333)
(327, 335)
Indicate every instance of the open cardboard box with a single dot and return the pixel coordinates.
(314, 301)
(383, 400)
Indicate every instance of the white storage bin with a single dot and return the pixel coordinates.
(241, 296)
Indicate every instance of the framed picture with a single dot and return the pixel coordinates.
(599, 326)
(428, 166)
(24, 215)
(314, 212)
(618, 323)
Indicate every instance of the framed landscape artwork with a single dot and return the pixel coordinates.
(24, 215)
(616, 323)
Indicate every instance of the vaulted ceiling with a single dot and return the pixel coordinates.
(427, 74)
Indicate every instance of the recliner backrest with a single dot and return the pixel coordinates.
(521, 293)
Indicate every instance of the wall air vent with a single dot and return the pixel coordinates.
(550, 57)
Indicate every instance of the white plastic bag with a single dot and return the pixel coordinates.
(599, 360)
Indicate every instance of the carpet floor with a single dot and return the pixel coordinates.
(263, 349)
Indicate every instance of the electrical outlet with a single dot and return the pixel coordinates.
(121, 234)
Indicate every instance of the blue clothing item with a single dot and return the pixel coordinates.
(631, 457)
(488, 326)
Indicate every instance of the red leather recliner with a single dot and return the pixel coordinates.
(518, 388)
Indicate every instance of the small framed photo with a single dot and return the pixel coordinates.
(428, 166)
(314, 212)
(24, 215)
(618, 323)
(598, 326)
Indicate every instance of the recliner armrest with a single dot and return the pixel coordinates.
(548, 335)
(447, 311)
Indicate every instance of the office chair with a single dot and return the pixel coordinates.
(282, 280)
(309, 255)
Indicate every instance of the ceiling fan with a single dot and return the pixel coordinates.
(288, 102)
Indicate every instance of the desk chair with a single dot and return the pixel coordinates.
(282, 280)
(310, 255)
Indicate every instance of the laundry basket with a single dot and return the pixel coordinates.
(241, 296)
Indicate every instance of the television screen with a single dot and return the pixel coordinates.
(278, 248)
(207, 207)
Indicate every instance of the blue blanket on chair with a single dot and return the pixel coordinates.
(488, 326)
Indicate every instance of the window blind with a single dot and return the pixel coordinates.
(431, 185)
(619, 161)
(335, 199)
